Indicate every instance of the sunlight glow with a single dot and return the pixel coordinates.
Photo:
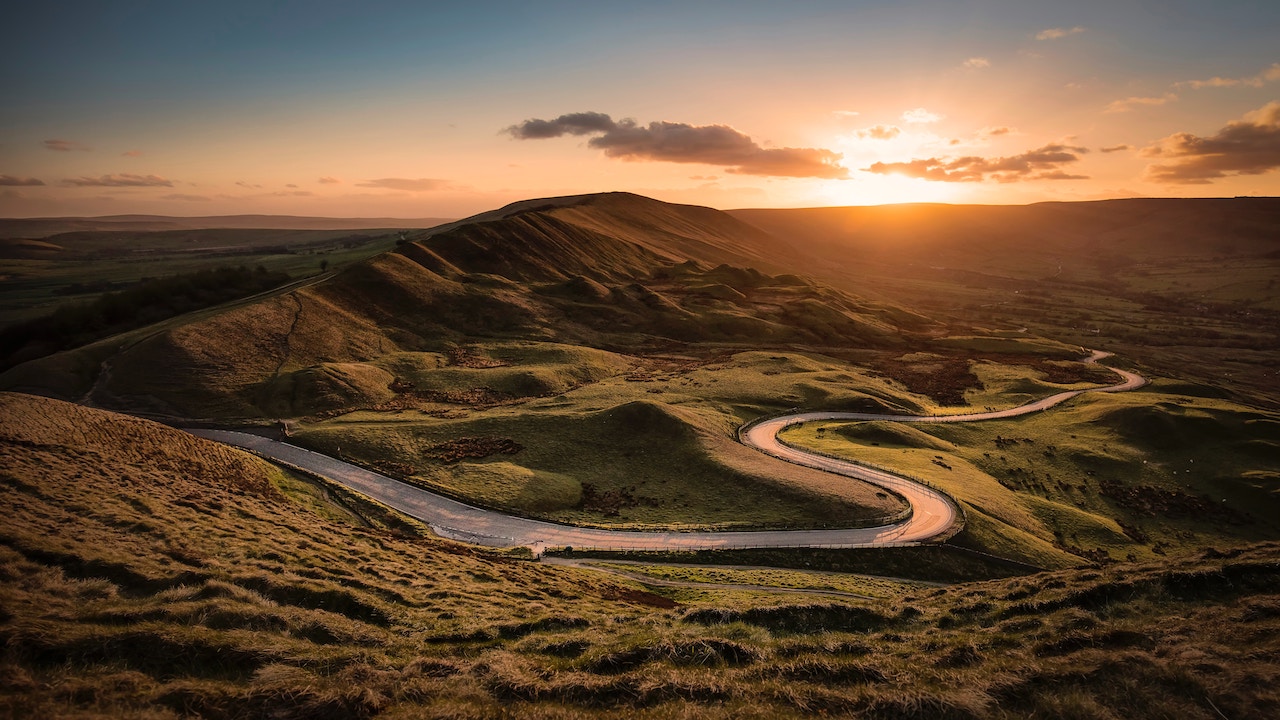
(887, 190)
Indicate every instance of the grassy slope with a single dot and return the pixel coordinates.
(148, 573)
(1133, 475)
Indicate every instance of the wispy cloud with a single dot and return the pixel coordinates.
(131, 153)
(920, 116)
(1115, 148)
(186, 198)
(1130, 103)
(846, 113)
(248, 185)
(683, 143)
(1044, 163)
(1249, 146)
(328, 180)
(14, 181)
(65, 146)
(1058, 33)
(976, 63)
(1271, 74)
(118, 180)
(409, 184)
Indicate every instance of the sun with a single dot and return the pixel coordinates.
(886, 190)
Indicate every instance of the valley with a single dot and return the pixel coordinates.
(668, 399)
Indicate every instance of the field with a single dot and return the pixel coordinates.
(40, 275)
(179, 577)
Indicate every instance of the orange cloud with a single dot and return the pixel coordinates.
(1130, 103)
(1271, 74)
(328, 180)
(1249, 146)
(185, 198)
(118, 180)
(131, 153)
(14, 181)
(409, 184)
(880, 132)
(683, 143)
(976, 63)
(1043, 163)
(65, 146)
(1058, 33)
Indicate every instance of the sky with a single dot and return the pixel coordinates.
(445, 109)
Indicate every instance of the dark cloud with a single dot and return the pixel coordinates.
(65, 145)
(1115, 148)
(14, 181)
(1249, 146)
(248, 185)
(583, 123)
(996, 131)
(1043, 163)
(410, 184)
(684, 143)
(119, 180)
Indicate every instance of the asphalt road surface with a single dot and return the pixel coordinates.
(933, 512)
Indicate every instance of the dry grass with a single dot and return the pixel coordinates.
(147, 573)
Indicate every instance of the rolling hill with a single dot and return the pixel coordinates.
(612, 271)
(146, 572)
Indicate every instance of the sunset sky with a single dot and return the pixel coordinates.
(442, 109)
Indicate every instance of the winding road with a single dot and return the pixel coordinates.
(933, 513)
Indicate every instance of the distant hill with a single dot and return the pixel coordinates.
(33, 228)
(980, 236)
(613, 271)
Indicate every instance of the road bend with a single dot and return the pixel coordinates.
(933, 512)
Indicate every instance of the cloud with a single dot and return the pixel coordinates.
(583, 123)
(248, 185)
(186, 198)
(131, 153)
(683, 143)
(1271, 74)
(995, 131)
(1130, 103)
(1115, 148)
(920, 116)
(977, 62)
(409, 184)
(1058, 33)
(1043, 163)
(1249, 146)
(880, 132)
(119, 180)
(13, 181)
(846, 113)
(328, 180)
(290, 185)
(65, 146)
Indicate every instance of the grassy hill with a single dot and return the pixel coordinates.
(150, 573)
